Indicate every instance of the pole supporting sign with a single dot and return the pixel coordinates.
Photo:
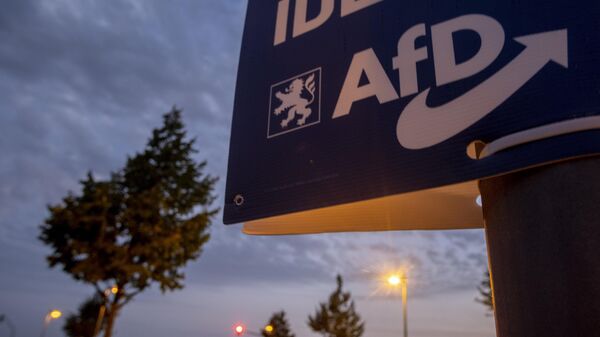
(355, 115)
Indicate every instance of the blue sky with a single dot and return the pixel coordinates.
(82, 83)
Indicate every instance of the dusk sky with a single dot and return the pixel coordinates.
(83, 82)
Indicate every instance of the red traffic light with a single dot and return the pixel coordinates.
(239, 329)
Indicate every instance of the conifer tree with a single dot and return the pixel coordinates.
(138, 228)
(338, 317)
(485, 291)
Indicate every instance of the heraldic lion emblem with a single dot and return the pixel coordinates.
(293, 101)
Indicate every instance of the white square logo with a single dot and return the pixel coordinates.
(295, 103)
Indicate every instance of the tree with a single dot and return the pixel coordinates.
(139, 227)
(83, 324)
(280, 326)
(485, 291)
(338, 317)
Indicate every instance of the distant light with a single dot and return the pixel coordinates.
(394, 280)
(479, 201)
(269, 328)
(54, 314)
(239, 329)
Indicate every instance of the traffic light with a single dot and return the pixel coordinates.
(239, 329)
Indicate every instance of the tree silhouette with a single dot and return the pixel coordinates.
(485, 291)
(338, 317)
(138, 228)
(83, 324)
(281, 327)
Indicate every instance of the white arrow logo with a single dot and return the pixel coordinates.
(420, 126)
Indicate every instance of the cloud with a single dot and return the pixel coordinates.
(260, 260)
(84, 82)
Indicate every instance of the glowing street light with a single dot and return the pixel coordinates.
(239, 329)
(50, 316)
(393, 280)
(55, 314)
(269, 329)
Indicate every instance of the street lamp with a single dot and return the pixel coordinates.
(50, 316)
(269, 329)
(55, 314)
(394, 281)
(239, 329)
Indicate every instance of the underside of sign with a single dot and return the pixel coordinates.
(356, 115)
(456, 206)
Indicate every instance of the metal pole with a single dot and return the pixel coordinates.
(543, 235)
(99, 319)
(404, 306)
(45, 327)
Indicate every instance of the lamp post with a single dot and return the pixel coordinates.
(50, 316)
(396, 280)
(404, 306)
